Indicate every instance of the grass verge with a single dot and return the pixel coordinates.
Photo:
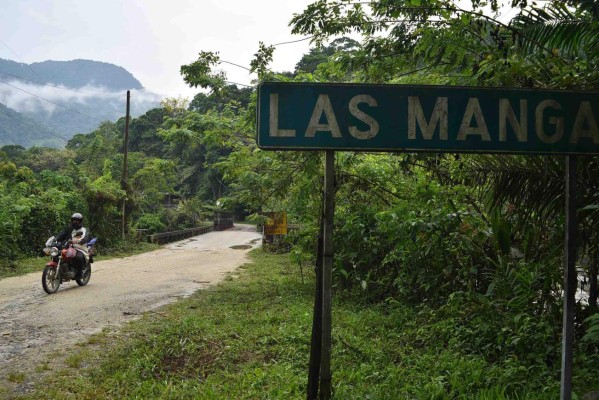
(249, 338)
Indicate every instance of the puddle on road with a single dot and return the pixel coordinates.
(241, 247)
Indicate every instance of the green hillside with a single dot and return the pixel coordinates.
(16, 128)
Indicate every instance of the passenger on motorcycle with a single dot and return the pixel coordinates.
(79, 235)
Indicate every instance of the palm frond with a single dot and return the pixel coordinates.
(534, 184)
(557, 29)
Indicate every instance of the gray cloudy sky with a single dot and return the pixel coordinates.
(151, 38)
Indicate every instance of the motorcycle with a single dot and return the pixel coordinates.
(61, 267)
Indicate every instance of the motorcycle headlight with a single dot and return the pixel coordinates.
(47, 251)
(54, 251)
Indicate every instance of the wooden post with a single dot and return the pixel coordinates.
(570, 281)
(327, 268)
(125, 151)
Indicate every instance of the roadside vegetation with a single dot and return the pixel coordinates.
(249, 338)
(26, 265)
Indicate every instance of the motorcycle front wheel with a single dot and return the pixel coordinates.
(50, 279)
(85, 277)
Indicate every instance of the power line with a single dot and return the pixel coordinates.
(8, 95)
(240, 84)
(5, 45)
(23, 62)
(276, 44)
(47, 84)
(49, 101)
(294, 41)
(23, 122)
(288, 177)
(237, 65)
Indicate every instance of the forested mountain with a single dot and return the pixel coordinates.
(73, 74)
(16, 128)
(46, 103)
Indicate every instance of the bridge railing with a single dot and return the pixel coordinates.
(223, 223)
(168, 237)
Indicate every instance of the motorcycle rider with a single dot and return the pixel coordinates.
(79, 235)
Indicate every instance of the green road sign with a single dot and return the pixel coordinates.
(308, 116)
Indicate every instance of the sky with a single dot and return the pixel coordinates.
(152, 38)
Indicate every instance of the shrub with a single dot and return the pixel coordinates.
(152, 222)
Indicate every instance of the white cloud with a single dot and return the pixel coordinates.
(32, 98)
(150, 38)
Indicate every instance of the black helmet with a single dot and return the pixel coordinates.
(77, 220)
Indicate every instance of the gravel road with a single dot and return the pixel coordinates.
(34, 325)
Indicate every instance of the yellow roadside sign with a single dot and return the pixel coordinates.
(276, 223)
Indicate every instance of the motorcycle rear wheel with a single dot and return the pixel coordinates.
(50, 279)
(85, 278)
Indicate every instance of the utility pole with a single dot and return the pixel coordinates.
(124, 177)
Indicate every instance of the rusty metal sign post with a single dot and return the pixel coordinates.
(327, 275)
(448, 119)
(570, 281)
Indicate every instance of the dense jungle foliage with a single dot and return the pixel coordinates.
(173, 180)
(473, 242)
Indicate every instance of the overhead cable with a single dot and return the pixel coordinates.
(47, 84)
(294, 41)
(23, 122)
(49, 101)
(11, 50)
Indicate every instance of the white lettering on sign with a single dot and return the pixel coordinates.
(473, 110)
(274, 119)
(438, 118)
(557, 121)
(362, 116)
(585, 124)
(506, 113)
(585, 117)
(512, 120)
(323, 105)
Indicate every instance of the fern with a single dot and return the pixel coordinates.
(592, 334)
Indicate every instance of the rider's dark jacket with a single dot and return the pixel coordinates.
(72, 232)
